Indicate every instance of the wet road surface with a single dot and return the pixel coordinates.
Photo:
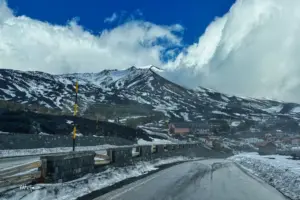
(199, 180)
(6, 163)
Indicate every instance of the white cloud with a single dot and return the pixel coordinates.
(28, 44)
(111, 18)
(253, 50)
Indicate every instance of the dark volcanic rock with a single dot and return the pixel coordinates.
(34, 123)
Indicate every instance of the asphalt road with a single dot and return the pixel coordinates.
(199, 180)
(15, 161)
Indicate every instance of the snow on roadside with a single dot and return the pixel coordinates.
(279, 171)
(26, 152)
(74, 189)
(155, 141)
(41, 151)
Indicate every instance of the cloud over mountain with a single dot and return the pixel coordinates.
(253, 50)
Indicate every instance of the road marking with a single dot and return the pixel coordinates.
(133, 187)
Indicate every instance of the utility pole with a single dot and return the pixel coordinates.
(230, 125)
(75, 113)
(97, 119)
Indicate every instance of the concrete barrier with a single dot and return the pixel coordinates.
(72, 165)
(146, 152)
(67, 166)
(121, 156)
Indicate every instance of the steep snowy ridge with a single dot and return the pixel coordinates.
(144, 88)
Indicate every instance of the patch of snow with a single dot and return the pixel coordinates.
(98, 136)
(26, 152)
(119, 84)
(252, 140)
(42, 133)
(149, 83)
(97, 158)
(255, 118)
(274, 109)
(185, 116)
(219, 112)
(65, 81)
(69, 122)
(225, 98)
(235, 123)
(144, 67)
(8, 92)
(167, 98)
(23, 90)
(280, 172)
(295, 148)
(138, 99)
(175, 114)
(132, 117)
(154, 141)
(166, 89)
(134, 83)
(295, 110)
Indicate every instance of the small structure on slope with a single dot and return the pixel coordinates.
(266, 148)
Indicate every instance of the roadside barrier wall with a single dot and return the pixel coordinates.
(68, 166)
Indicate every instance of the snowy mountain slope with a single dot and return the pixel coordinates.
(141, 92)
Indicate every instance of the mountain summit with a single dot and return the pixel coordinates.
(140, 93)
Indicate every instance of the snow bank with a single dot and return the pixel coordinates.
(74, 189)
(279, 171)
(155, 141)
(26, 152)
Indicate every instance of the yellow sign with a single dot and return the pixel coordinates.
(75, 109)
(76, 87)
(74, 132)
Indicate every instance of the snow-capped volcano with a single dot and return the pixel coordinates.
(142, 92)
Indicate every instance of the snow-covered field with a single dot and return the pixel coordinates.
(72, 190)
(279, 171)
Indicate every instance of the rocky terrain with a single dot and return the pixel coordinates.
(140, 97)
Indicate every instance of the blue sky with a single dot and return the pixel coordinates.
(193, 15)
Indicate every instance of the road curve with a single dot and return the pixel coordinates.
(199, 180)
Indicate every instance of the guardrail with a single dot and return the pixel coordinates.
(72, 165)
